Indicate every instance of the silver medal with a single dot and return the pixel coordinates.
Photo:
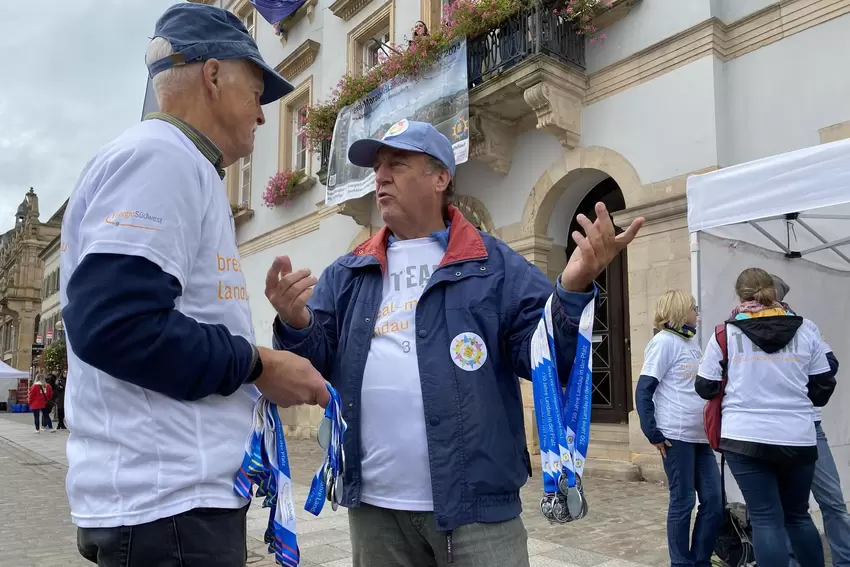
(338, 489)
(574, 501)
(325, 433)
(329, 484)
(563, 483)
(546, 506)
(560, 512)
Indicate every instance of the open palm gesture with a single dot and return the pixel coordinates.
(595, 248)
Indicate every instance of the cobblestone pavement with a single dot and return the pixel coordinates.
(624, 528)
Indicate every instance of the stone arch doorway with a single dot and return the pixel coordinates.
(611, 398)
(476, 213)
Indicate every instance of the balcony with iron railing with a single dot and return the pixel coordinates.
(526, 73)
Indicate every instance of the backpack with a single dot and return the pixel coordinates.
(713, 408)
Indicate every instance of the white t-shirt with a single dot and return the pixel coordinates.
(673, 361)
(395, 466)
(766, 397)
(818, 412)
(135, 455)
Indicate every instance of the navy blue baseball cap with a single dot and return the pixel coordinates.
(198, 32)
(420, 137)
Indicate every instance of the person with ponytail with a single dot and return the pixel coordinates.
(826, 485)
(777, 373)
(670, 414)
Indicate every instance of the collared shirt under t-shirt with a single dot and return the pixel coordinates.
(135, 455)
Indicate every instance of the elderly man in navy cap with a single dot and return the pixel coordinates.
(423, 330)
(164, 372)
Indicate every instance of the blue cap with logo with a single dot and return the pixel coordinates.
(420, 137)
(198, 32)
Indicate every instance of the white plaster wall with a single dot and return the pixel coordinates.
(331, 32)
(648, 22)
(732, 10)
(779, 96)
(664, 127)
(505, 195)
(315, 251)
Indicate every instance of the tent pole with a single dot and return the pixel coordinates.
(695, 283)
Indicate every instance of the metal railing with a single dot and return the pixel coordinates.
(531, 32)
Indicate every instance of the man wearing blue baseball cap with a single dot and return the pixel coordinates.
(423, 330)
(163, 367)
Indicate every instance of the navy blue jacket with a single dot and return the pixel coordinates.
(474, 420)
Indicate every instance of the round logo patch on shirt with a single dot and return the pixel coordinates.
(396, 129)
(468, 351)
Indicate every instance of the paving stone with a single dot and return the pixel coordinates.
(625, 526)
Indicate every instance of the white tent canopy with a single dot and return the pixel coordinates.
(7, 372)
(790, 215)
(797, 203)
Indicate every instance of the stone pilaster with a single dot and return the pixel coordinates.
(658, 260)
(535, 248)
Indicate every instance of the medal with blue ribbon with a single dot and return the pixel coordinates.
(327, 482)
(563, 417)
(266, 464)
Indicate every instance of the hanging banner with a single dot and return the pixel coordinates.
(439, 95)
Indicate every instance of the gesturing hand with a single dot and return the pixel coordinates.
(289, 291)
(662, 448)
(595, 249)
(290, 380)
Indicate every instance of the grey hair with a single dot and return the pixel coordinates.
(171, 81)
(434, 166)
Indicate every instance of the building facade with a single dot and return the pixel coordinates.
(21, 276)
(676, 88)
(50, 326)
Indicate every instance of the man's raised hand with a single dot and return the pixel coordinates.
(289, 291)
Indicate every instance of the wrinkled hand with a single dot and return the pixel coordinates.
(289, 291)
(595, 249)
(290, 380)
(662, 448)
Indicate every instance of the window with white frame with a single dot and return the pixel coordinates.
(299, 140)
(243, 189)
(375, 52)
(250, 21)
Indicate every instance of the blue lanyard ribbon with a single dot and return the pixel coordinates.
(266, 464)
(327, 482)
(563, 417)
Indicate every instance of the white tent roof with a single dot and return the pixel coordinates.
(7, 372)
(797, 203)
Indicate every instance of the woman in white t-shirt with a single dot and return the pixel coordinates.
(670, 414)
(777, 374)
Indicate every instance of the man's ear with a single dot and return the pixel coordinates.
(213, 76)
(442, 180)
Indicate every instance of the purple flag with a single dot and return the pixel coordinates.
(274, 11)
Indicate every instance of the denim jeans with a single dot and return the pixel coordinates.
(203, 537)
(692, 470)
(777, 499)
(380, 537)
(45, 418)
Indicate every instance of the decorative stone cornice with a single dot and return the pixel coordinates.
(347, 9)
(307, 9)
(555, 95)
(658, 211)
(619, 9)
(359, 209)
(299, 60)
(492, 140)
(535, 248)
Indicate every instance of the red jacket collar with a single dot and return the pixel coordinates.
(465, 242)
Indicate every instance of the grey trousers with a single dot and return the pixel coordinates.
(382, 537)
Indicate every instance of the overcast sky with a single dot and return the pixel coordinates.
(72, 77)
